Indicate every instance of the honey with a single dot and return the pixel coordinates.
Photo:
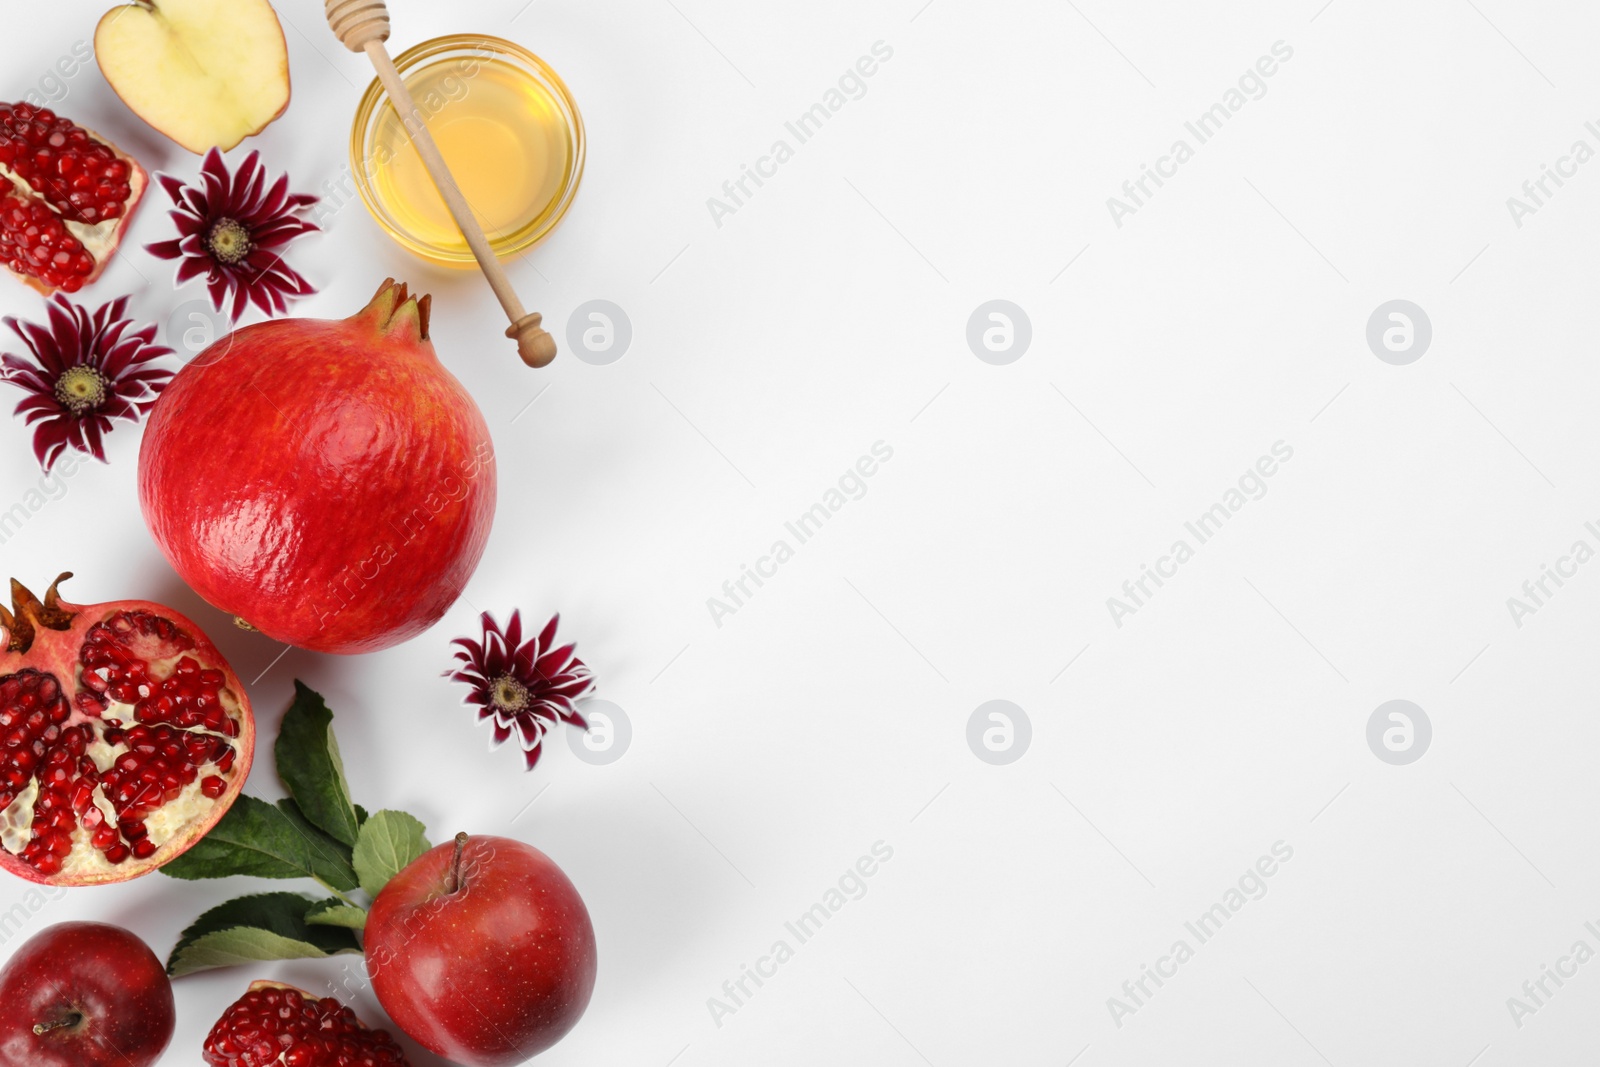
(505, 125)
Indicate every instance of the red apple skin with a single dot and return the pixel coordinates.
(102, 982)
(492, 974)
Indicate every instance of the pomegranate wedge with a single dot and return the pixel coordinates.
(66, 197)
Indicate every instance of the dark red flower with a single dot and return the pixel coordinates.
(526, 688)
(87, 370)
(232, 229)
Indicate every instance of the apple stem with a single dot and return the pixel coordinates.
(69, 1020)
(455, 864)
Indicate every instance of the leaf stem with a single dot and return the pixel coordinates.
(336, 893)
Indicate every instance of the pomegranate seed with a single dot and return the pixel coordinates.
(212, 786)
(27, 222)
(59, 147)
(116, 854)
(144, 849)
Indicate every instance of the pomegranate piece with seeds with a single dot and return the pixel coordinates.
(276, 1024)
(66, 200)
(124, 737)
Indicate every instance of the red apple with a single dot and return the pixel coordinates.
(84, 995)
(482, 951)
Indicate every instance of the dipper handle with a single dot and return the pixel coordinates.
(363, 26)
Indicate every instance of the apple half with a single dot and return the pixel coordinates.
(206, 73)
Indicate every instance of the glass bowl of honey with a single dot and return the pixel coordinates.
(504, 122)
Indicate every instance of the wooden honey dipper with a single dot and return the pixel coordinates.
(363, 26)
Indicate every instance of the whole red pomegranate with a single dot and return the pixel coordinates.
(328, 483)
(482, 951)
(84, 995)
(124, 737)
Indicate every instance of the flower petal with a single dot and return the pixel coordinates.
(173, 186)
(188, 267)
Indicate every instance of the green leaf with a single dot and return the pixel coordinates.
(330, 859)
(244, 944)
(333, 913)
(361, 814)
(281, 912)
(264, 926)
(308, 762)
(390, 841)
(258, 839)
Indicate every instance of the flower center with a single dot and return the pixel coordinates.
(509, 694)
(81, 389)
(229, 241)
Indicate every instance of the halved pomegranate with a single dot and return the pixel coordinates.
(65, 201)
(124, 737)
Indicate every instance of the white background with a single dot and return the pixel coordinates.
(830, 712)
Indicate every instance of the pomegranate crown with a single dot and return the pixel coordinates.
(393, 309)
(28, 614)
